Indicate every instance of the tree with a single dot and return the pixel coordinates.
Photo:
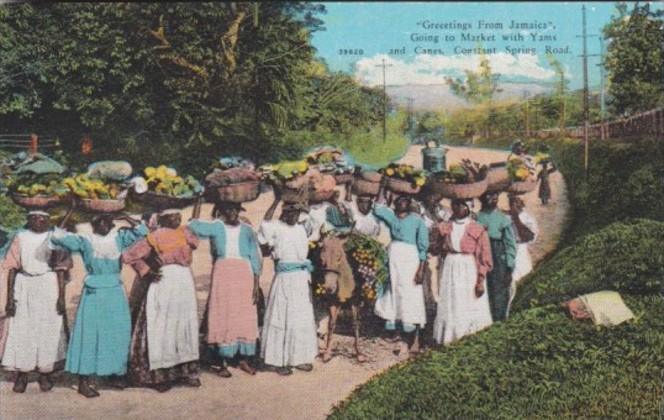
(560, 91)
(635, 59)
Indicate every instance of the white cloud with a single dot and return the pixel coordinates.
(433, 69)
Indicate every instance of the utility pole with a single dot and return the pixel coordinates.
(586, 101)
(526, 94)
(383, 65)
(602, 94)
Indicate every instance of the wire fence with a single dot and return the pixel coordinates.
(648, 123)
(28, 142)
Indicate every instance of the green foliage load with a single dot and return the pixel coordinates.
(539, 364)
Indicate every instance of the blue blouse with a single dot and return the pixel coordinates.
(411, 229)
(216, 232)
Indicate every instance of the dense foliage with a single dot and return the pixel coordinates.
(192, 80)
(539, 364)
(627, 257)
(635, 58)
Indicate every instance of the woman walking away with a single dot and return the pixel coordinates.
(289, 331)
(463, 305)
(100, 339)
(503, 253)
(404, 299)
(164, 344)
(544, 192)
(35, 308)
(232, 318)
(525, 229)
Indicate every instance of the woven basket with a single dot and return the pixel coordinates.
(36, 202)
(241, 192)
(400, 186)
(522, 187)
(320, 196)
(163, 201)
(102, 206)
(498, 179)
(293, 195)
(345, 178)
(372, 176)
(461, 191)
(363, 187)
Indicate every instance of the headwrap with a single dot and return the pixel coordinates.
(38, 213)
(169, 212)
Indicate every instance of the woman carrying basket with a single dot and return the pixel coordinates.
(232, 319)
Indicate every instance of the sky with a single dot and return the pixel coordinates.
(360, 35)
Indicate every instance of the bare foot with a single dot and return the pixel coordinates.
(361, 358)
(326, 356)
(224, 372)
(247, 367)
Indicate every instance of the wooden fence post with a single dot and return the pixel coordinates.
(34, 144)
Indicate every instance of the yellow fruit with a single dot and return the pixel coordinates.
(150, 171)
(389, 172)
(419, 182)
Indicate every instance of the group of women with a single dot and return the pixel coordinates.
(155, 342)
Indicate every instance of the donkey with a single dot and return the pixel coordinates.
(341, 289)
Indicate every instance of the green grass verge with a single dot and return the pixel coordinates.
(538, 364)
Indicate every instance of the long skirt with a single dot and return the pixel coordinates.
(498, 285)
(289, 331)
(164, 345)
(403, 300)
(232, 318)
(460, 312)
(523, 265)
(101, 335)
(36, 337)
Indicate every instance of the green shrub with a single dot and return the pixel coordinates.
(11, 216)
(538, 364)
(625, 256)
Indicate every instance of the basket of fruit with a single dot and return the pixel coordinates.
(498, 177)
(368, 260)
(38, 201)
(168, 190)
(404, 179)
(235, 185)
(34, 191)
(95, 195)
(462, 181)
(367, 183)
(522, 178)
(332, 161)
(299, 182)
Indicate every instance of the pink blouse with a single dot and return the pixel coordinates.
(475, 241)
(173, 246)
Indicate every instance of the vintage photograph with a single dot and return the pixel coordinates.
(331, 210)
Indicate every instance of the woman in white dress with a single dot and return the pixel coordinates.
(463, 305)
(289, 335)
(526, 231)
(35, 306)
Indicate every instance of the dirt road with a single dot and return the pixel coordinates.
(265, 396)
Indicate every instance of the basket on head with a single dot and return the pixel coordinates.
(162, 201)
(102, 206)
(36, 202)
(401, 186)
(522, 187)
(498, 178)
(367, 183)
(343, 178)
(320, 196)
(460, 191)
(240, 192)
